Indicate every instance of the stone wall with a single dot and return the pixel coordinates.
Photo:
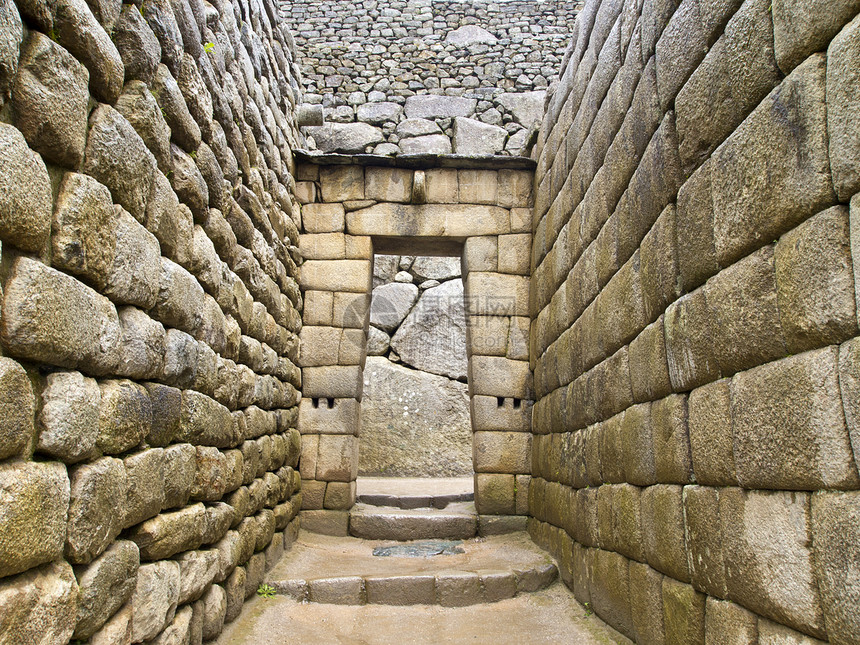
(380, 68)
(694, 332)
(149, 319)
(415, 409)
(350, 212)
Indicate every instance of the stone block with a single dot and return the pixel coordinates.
(457, 588)
(319, 346)
(683, 613)
(843, 56)
(788, 425)
(39, 606)
(351, 310)
(834, 538)
(726, 620)
(521, 220)
(496, 294)
(704, 543)
(777, 582)
(70, 325)
(325, 522)
(323, 218)
(337, 275)
(497, 376)
(515, 254)
(145, 479)
(98, 489)
(339, 495)
(428, 220)
(17, 408)
(345, 590)
(480, 254)
(442, 186)
(689, 347)
(816, 282)
(487, 414)
(478, 186)
(318, 307)
(212, 475)
(658, 266)
(388, 184)
(716, 98)
(487, 335)
(205, 422)
(342, 418)
(170, 533)
(515, 189)
(117, 629)
(33, 518)
(697, 253)
(181, 299)
(646, 604)
(155, 599)
(610, 591)
(638, 441)
(518, 338)
(166, 404)
(50, 98)
(662, 512)
(133, 278)
(626, 520)
(339, 382)
(173, 224)
(323, 246)
(125, 415)
(341, 183)
(711, 441)
(306, 192)
(790, 150)
(671, 438)
(649, 367)
(502, 452)
(400, 590)
(139, 107)
(142, 354)
(338, 458)
(234, 587)
(69, 416)
(495, 494)
(801, 29)
(105, 586)
(180, 468)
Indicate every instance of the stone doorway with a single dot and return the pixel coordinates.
(352, 212)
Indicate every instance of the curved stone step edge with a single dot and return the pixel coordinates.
(446, 588)
(412, 502)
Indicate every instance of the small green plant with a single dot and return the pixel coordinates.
(588, 610)
(194, 154)
(209, 47)
(52, 34)
(265, 591)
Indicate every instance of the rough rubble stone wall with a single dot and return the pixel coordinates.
(482, 215)
(150, 315)
(363, 61)
(415, 406)
(694, 333)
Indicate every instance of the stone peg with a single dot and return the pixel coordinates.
(308, 114)
(419, 188)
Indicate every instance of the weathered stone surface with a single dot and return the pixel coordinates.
(426, 434)
(134, 276)
(137, 45)
(170, 533)
(69, 416)
(346, 137)
(432, 220)
(205, 421)
(98, 489)
(197, 570)
(725, 619)
(469, 35)
(179, 631)
(139, 107)
(417, 128)
(105, 586)
(84, 223)
(166, 403)
(70, 325)
(526, 107)
(711, 441)
(428, 106)
(145, 473)
(159, 16)
(77, 30)
(474, 138)
(142, 345)
(33, 518)
(215, 610)
(25, 193)
(427, 268)
(183, 128)
(432, 338)
(117, 630)
(50, 101)
(180, 298)
(125, 415)
(816, 283)
(801, 29)
(171, 222)
(390, 304)
(189, 184)
(117, 157)
(683, 612)
(378, 342)
(788, 425)
(834, 534)
(155, 598)
(11, 36)
(388, 184)
(777, 582)
(39, 606)
(379, 113)
(17, 407)
(663, 530)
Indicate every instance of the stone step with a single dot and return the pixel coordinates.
(415, 492)
(458, 520)
(345, 571)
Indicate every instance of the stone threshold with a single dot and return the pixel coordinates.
(417, 162)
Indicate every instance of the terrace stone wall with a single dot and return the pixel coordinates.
(150, 316)
(695, 321)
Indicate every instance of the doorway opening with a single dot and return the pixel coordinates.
(416, 436)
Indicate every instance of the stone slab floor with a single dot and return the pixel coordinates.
(551, 616)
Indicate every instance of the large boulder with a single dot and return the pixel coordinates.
(379, 113)
(429, 144)
(417, 128)
(474, 138)
(525, 107)
(427, 268)
(433, 336)
(345, 137)
(391, 303)
(432, 106)
(426, 434)
(469, 35)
